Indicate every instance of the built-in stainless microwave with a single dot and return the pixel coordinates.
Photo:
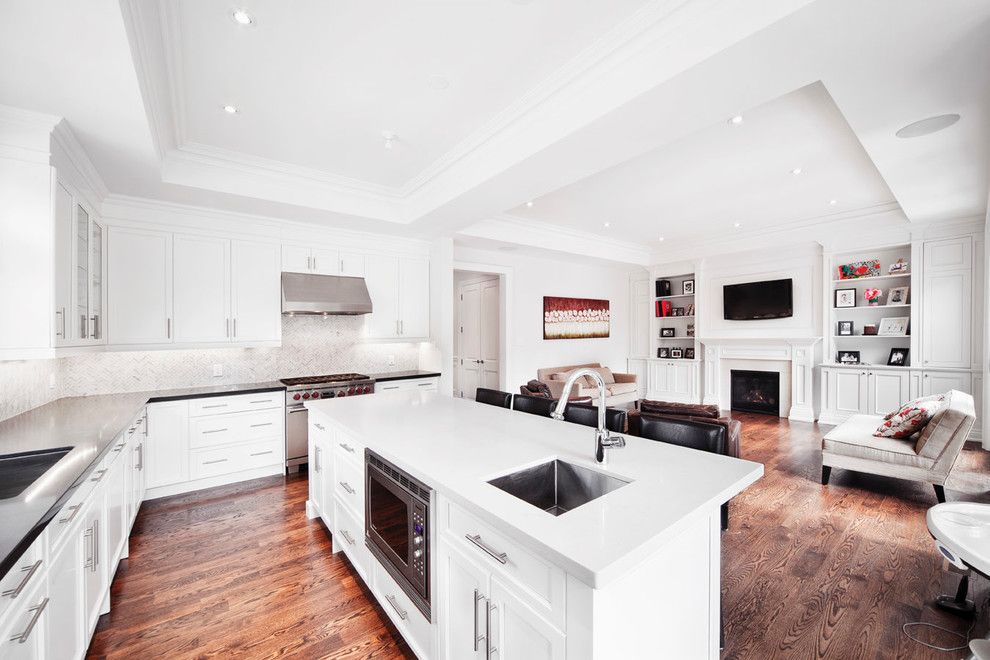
(396, 527)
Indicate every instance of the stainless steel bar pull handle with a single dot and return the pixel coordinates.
(347, 536)
(262, 453)
(30, 571)
(101, 474)
(75, 511)
(477, 638)
(346, 447)
(168, 328)
(96, 544)
(346, 486)
(214, 431)
(90, 535)
(395, 605)
(319, 426)
(140, 448)
(500, 557)
(37, 609)
(60, 320)
(255, 426)
(219, 460)
(489, 649)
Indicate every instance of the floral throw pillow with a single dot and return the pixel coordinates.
(910, 419)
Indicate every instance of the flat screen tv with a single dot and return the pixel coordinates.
(753, 301)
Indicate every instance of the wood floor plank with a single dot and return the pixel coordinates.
(808, 571)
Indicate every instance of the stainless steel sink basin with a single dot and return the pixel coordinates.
(18, 471)
(557, 486)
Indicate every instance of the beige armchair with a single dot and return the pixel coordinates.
(622, 388)
(852, 445)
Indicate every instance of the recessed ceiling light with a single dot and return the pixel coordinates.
(230, 109)
(390, 139)
(737, 225)
(241, 17)
(833, 202)
(660, 239)
(796, 171)
(529, 204)
(735, 121)
(927, 126)
(607, 225)
(436, 81)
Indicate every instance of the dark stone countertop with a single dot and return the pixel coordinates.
(404, 375)
(89, 425)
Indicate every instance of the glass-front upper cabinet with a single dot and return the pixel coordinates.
(79, 290)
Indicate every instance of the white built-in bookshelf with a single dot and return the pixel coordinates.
(682, 326)
(873, 349)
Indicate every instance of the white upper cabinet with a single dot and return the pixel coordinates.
(351, 264)
(948, 306)
(201, 284)
(414, 298)
(303, 259)
(79, 272)
(382, 277)
(400, 297)
(255, 295)
(63, 264)
(140, 291)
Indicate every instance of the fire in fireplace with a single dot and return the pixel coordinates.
(756, 391)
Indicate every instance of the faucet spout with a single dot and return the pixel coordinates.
(603, 439)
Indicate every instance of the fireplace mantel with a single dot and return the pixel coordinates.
(796, 356)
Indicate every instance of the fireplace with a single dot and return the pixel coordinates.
(756, 391)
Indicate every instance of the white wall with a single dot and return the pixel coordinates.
(802, 264)
(530, 279)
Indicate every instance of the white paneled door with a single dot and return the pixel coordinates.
(200, 272)
(255, 298)
(478, 306)
(140, 292)
(948, 310)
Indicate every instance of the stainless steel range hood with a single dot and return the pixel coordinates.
(324, 294)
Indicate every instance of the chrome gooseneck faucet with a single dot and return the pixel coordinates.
(603, 439)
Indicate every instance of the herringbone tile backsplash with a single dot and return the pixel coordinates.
(311, 345)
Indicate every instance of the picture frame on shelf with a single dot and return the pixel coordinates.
(859, 269)
(688, 353)
(898, 295)
(844, 329)
(663, 352)
(894, 326)
(678, 311)
(898, 357)
(869, 330)
(845, 298)
(667, 332)
(687, 287)
(847, 357)
(690, 309)
(676, 353)
(899, 267)
(663, 288)
(690, 330)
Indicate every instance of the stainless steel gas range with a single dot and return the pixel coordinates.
(300, 390)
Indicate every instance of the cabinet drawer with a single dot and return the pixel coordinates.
(71, 513)
(539, 583)
(425, 384)
(23, 576)
(234, 458)
(347, 446)
(348, 484)
(217, 430)
(349, 533)
(415, 628)
(237, 403)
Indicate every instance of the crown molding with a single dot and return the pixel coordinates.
(89, 181)
(512, 229)
(26, 135)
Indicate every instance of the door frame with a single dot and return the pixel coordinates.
(504, 305)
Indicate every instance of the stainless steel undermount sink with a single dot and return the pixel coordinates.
(558, 486)
(18, 471)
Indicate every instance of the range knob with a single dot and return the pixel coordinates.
(341, 393)
(417, 554)
(418, 528)
(305, 395)
(367, 389)
(316, 395)
(296, 397)
(350, 390)
(417, 540)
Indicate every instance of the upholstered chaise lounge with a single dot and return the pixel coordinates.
(852, 445)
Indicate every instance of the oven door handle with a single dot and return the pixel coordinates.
(289, 411)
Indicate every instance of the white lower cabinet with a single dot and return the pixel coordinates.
(25, 626)
(167, 446)
(416, 629)
(674, 380)
(516, 633)
(422, 384)
(65, 638)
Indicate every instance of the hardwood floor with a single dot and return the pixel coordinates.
(809, 571)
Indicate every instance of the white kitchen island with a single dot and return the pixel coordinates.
(632, 574)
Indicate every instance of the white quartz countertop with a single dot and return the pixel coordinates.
(457, 445)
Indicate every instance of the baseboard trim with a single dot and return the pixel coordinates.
(211, 482)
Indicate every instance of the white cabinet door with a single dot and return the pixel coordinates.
(657, 382)
(947, 310)
(321, 476)
(24, 625)
(93, 538)
(115, 483)
(414, 298)
(517, 633)
(351, 264)
(200, 276)
(256, 302)
(166, 454)
(296, 259)
(382, 277)
(140, 291)
(64, 636)
(888, 391)
(325, 262)
(63, 264)
(97, 289)
(79, 325)
(639, 318)
(463, 602)
(681, 379)
(940, 382)
(848, 391)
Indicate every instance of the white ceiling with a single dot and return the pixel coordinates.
(703, 184)
(316, 85)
